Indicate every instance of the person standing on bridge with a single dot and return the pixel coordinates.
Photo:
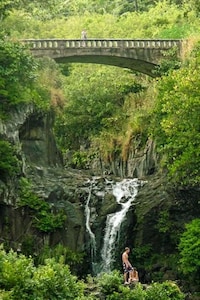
(83, 37)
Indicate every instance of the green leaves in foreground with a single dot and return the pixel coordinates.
(112, 286)
(20, 279)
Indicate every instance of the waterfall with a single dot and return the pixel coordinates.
(125, 193)
(88, 228)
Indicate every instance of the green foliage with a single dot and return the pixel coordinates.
(5, 295)
(17, 74)
(176, 124)
(128, 294)
(164, 224)
(126, 131)
(164, 291)
(54, 281)
(154, 19)
(189, 250)
(54, 8)
(171, 62)
(6, 6)
(44, 218)
(61, 254)
(112, 287)
(110, 282)
(142, 253)
(15, 273)
(80, 160)
(20, 279)
(28, 245)
(9, 163)
(93, 99)
(24, 79)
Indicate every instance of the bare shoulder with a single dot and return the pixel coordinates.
(124, 254)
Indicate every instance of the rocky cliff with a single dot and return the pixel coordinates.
(152, 224)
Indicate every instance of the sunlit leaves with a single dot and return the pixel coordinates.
(16, 64)
(94, 94)
(23, 79)
(101, 19)
(52, 280)
(17, 74)
(190, 249)
(6, 6)
(177, 126)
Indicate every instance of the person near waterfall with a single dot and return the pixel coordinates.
(130, 273)
(133, 276)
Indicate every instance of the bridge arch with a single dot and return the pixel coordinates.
(138, 55)
(122, 62)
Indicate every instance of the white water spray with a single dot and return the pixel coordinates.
(91, 234)
(125, 193)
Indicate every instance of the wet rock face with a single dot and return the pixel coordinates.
(154, 219)
(38, 143)
(31, 133)
(139, 163)
(162, 212)
(9, 129)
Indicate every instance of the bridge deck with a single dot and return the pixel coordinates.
(141, 55)
(102, 43)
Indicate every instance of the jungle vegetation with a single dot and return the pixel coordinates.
(106, 107)
(103, 109)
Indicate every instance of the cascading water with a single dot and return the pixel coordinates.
(88, 228)
(124, 193)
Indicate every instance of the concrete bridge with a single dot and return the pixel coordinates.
(138, 55)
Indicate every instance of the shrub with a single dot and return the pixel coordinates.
(54, 281)
(189, 249)
(61, 254)
(9, 164)
(110, 282)
(164, 291)
(17, 74)
(20, 279)
(5, 295)
(80, 160)
(15, 273)
(175, 121)
(45, 220)
(111, 285)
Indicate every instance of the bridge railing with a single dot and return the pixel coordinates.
(100, 43)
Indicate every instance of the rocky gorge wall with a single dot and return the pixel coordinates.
(151, 226)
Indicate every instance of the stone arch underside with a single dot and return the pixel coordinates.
(122, 62)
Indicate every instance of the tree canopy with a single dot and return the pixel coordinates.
(102, 105)
(176, 123)
(101, 110)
